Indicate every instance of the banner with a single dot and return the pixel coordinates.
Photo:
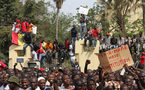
(114, 59)
(83, 10)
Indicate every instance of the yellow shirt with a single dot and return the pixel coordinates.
(50, 46)
(30, 27)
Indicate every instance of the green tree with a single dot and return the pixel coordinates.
(34, 11)
(58, 6)
(118, 11)
(10, 10)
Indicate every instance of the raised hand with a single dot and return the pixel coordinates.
(88, 62)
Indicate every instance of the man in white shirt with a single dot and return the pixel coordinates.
(34, 54)
(120, 40)
(71, 54)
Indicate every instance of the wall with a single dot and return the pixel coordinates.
(82, 55)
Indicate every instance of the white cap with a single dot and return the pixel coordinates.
(41, 78)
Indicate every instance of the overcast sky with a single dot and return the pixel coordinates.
(69, 6)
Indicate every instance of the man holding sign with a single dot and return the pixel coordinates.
(83, 25)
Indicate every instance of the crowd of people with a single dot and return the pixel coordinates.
(71, 79)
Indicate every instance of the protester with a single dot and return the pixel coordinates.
(113, 42)
(36, 45)
(55, 48)
(88, 36)
(83, 26)
(140, 43)
(42, 55)
(66, 48)
(34, 55)
(128, 41)
(30, 25)
(28, 41)
(49, 48)
(71, 54)
(61, 53)
(15, 30)
(66, 83)
(102, 43)
(120, 41)
(34, 83)
(133, 44)
(24, 25)
(142, 59)
(14, 83)
(5, 85)
(41, 83)
(107, 41)
(95, 32)
(74, 34)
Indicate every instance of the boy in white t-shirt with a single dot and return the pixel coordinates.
(34, 54)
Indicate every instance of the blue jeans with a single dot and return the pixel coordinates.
(113, 46)
(41, 56)
(82, 31)
(94, 41)
(74, 40)
(25, 46)
(72, 62)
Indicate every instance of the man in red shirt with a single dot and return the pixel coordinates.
(24, 26)
(95, 32)
(142, 59)
(42, 54)
(66, 47)
(2, 65)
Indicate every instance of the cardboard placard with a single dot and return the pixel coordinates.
(114, 59)
(83, 10)
(34, 30)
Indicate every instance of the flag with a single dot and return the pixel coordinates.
(14, 38)
(17, 38)
(20, 40)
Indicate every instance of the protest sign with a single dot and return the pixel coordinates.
(83, 10)
(34, 30)
(114, 59)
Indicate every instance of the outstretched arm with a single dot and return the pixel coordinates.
(55, 84)
(15, 70)
(100, 73)
(137, 68)
(104, 76)
(86, 65)
(21, 65)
